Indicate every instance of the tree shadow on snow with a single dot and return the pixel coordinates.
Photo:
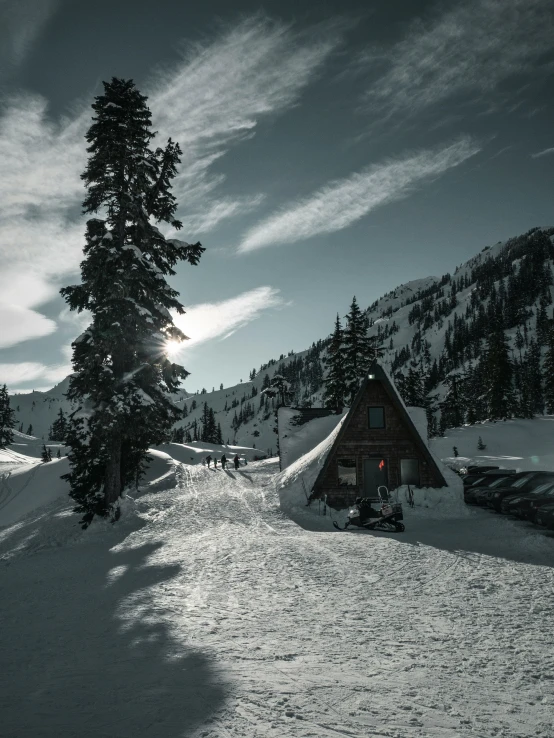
(86, 650)
(244, 474)
(483, 532)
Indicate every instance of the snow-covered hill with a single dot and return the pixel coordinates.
(434, 327)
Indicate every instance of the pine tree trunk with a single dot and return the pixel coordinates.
(112, 487)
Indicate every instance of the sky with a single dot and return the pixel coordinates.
(330, 149)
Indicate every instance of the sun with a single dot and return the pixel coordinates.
(172, 347)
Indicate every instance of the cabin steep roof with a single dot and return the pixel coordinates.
(378, 372)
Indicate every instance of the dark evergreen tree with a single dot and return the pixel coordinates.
(523, 404)
(452, 407)
(45, 456)
(359, 350)
(335, 386)
(455, 451)
(548, 372)
(59, 427)
(411, 386)
(534, 377)
(480, 445)
(7, 418)
(497, 377)
(123, 379)
(58, 454)
(30, 430)
(178, 435)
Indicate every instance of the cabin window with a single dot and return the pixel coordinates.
(347, 472)
(409, 471)
(376, 417)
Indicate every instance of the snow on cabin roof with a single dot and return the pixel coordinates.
(302, 429)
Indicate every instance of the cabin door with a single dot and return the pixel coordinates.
(375, 474)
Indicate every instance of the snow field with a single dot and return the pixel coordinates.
(207, 613)
(523, 445)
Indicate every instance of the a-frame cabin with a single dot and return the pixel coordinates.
(377, 444)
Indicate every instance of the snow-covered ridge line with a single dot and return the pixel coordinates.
(407, 326)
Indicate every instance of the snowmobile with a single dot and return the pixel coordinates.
(386, 515)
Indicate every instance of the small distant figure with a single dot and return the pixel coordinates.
(223, 462)
(208, 461)
(59, 454)
(410, 496)
(215, 462)
(236, 461)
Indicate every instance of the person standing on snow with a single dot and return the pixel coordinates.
(236, 460)
(223, 461)
(215, 462)
(208, 461)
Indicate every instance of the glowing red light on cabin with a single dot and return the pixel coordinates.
(381, 464)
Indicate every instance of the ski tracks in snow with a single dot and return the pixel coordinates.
(330, 635)
(322, 634)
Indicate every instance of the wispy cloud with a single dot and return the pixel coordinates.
(20, 24)
(473, 47)
(209, 101)
(28, 371)
(21, 324)
(218, 93)
(211, 320)
(342, 202)
(544, 152)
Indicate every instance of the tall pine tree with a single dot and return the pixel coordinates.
(59, 427)
(548, 372)
(359, 349)
(497, 377)
(123, 379)
(335, 386)
(7, 418)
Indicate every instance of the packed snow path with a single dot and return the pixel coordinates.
(211, 614)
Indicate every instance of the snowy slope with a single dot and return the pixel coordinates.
(295, 441)
(206, 612)
(389, 313)
(520, 444)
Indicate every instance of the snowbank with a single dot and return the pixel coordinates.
(296, 441)
(523, 445)
(435, 503)
(295, 483)
(161, 472)
(10, 456)
(31, 486)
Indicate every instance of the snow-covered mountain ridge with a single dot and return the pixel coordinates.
(430, 329)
